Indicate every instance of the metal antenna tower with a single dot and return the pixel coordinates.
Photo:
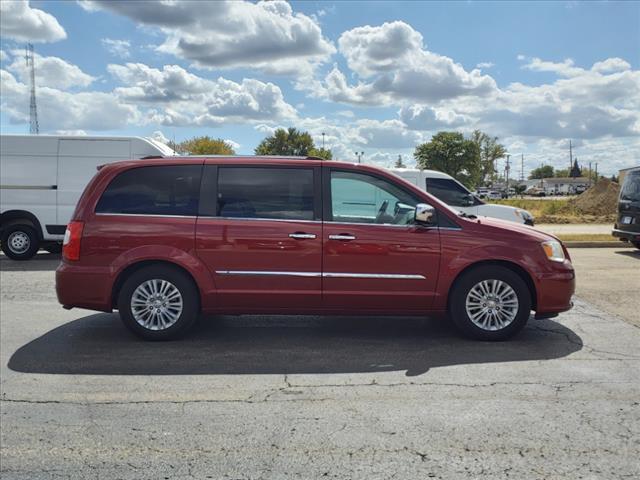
(34, 128)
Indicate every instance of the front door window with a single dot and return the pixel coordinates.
(362, 198)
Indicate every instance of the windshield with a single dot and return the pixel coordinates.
(450, 192)
(631, 187)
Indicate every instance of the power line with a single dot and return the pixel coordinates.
(34, 128)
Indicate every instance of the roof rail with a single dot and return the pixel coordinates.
(287, 157)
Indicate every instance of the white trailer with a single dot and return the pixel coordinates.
(42, 178)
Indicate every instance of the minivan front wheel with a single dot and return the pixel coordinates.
(158, 303)
(490, 303)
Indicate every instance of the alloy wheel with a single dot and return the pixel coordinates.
(492, 304)
(156, 304)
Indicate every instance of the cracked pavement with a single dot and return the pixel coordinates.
(306, 397)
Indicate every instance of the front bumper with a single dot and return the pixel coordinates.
(626, 235)
(555, 289)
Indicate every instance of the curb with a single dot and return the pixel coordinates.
(597, 244)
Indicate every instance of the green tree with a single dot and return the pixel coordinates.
(399, 163)
(545, 171)
(451, 153)
(490, 151)
(561, 172)
(205, 146)
(286, 142)
(321, 153)
(519, 189)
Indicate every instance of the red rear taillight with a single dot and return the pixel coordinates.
(71, 243)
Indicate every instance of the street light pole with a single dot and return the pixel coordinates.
(323, 140)
(359, 155)
(506, 168)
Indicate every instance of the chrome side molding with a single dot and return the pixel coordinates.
(392, 276)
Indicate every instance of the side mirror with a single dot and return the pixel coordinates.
(424, 214)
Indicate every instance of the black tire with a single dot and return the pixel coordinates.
(20, 242)
(181, 281)
(458, 297)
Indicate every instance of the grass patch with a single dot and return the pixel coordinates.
(587, 237)
(540, 207)
(557, 211)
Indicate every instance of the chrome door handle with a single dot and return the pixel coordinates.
(302, 236)
(343, 237)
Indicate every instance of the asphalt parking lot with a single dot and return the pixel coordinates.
(307, 397)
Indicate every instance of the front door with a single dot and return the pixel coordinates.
(374, 257)
(259, 233)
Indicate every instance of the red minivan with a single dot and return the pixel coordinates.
(163, 240)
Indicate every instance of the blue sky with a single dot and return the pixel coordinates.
(377, 77)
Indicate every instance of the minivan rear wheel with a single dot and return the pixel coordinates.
(158, 303)
(20, 242)
(490, 303)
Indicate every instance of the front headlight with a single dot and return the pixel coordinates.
(553, 250)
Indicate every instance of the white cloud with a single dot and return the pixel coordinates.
(565, 68)
(60, 110)
(266, 129)
(70, 133)
(117, 48)
(387, 134)
(346, 113)
(3, 56)
(485, 65)
(158, 136)
(396, 67)
(422, 117)
(50, 72)
(20, 22)
(235, 145)
(583, 103)
(611, 65)
(178, 97)
(267, 36)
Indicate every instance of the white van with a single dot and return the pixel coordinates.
(456, 195)
(42, 178)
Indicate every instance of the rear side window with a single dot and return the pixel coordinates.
(275, 193)
(158, 190)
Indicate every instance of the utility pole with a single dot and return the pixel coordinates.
(570, 156)
(34, 128)
(323, 140)
(506, 169)
(359, 155)
(590, 174)
(596, 172)
(522, 167)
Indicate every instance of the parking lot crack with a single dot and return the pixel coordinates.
(590, 349)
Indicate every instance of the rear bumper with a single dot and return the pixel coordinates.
(84, 287)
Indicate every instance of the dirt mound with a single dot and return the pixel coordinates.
(600, 199)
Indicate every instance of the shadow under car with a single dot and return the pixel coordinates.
(100, 345)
